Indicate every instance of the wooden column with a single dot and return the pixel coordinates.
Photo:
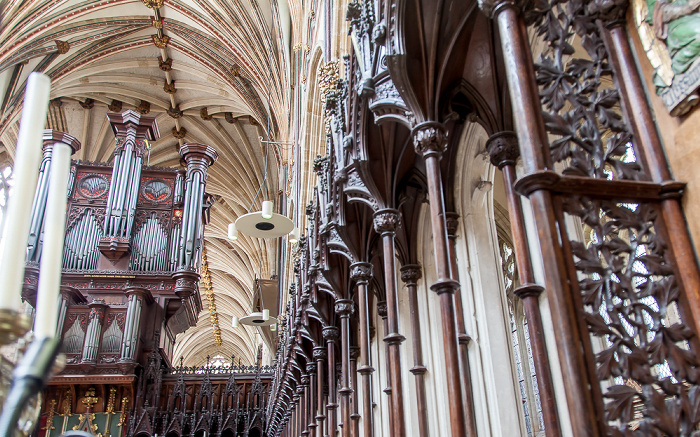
(452, 223)
(304, 402)
(361, 274)
(381, 310)
(648, 145)
(319, 356)
(330, 334)
(410, 274)
(430, 139)
(312, 401)
(503, 149)
(355, 414)
(343, 308)
(386, 222)
(527, 113)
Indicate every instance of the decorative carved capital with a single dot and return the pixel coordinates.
(354, 352)
(386, 221)
(97, 309)
(310, 368)
(503, 149)
(429, 138)
(361, 272)
(132, 123)
(411, 273)
(451, 223)
(331, 333)
(319, 353)
(344, 307)
(381, 309)
(88, 103)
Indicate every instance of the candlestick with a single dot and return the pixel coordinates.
(52, 251)
(24, 174)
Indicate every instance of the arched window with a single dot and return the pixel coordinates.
(520, 335)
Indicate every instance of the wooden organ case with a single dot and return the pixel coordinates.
(130, 272)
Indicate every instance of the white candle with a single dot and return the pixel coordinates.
(24, 175)
(52, 251)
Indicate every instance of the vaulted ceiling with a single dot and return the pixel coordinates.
(208, 69)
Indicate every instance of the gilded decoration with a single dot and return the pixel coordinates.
(209, 293)
(153, 4)
(160, 41)
(670, 34)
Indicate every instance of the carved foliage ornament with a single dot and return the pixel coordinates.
(429, 138)
(630, 299)
(386, 221)
(153, 4)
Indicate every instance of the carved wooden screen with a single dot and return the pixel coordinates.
(625, 288)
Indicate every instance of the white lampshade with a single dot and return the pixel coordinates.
(266, 315)
(234, 321)
(232, 232)
(294, 236)
(267, 209)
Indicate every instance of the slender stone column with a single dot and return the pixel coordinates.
(343, 308)
(382, 312)
(430, 139)
(410, 274)
(330, 335)
(361, 274)
(94, 330)
(311, 400)
(319, 356)
(503, 149)
(36, 227)
(304, 401)
(527, 114)
(386, 222)
(355, 416)
(452, 223)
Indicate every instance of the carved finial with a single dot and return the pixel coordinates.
(429, 138)
(503, 149)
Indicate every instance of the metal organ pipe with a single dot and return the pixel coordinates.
(39, 205)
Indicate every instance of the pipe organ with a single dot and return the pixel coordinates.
(131, 257)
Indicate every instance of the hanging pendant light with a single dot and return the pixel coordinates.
(232, 232)
(294, 236)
